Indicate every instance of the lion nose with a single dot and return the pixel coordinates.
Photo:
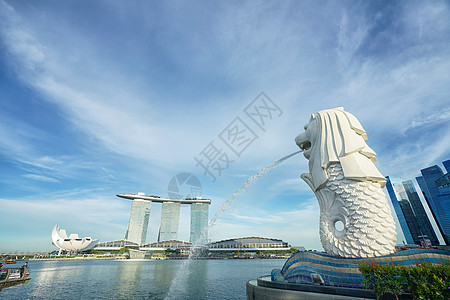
(300, 139)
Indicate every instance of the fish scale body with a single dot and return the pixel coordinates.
(362, 207)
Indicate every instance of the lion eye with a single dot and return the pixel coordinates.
(306, 126)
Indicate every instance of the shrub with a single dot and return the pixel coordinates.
(428, 281)
(424, 281)
(373, 278)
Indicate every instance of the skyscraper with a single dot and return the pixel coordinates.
(390, 183)
(447, 165)
(170, 217)
(424, 224)
(199, 222)
(439, 205)
(443, 185)
(413, 219)
(137, 227)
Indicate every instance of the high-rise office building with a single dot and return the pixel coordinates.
(447, 165)
(170, 217)
(199, 223)
(390, 184)
(411, 220)
(424, 224)
(137, 227)
(412, 217)
(439, 205)
(443, 185)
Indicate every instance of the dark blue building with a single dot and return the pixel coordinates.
(436, 191)
(390, 184)
(410, 212)
(447, 165)
(423, 222)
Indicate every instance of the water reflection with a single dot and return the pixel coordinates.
(128, 279)
(163, 275)
(52, 271)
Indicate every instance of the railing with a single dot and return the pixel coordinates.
(9, 274)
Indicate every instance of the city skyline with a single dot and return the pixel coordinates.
(102, 98)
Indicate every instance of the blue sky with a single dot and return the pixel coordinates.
(105, 97)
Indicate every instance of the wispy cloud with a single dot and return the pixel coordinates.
(41, 178)
(442, 116)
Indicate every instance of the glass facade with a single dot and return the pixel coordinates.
(170, 217)
(199, 222)
(411, 214)
(393, 185)
(443, 185)
(447, 165)
(411, 221)
(138, 225)
(439, 205)
(424, 225)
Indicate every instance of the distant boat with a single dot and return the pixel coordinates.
(9, 262)
(13, 276)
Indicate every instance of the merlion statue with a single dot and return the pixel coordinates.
(347, 185)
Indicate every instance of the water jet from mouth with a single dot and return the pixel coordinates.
(176, 288)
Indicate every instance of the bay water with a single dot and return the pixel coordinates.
(139, 279)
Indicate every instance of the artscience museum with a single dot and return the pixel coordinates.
(71, 243)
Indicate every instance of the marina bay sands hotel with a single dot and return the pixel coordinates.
(170, 216)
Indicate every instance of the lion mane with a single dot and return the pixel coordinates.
(339, 137)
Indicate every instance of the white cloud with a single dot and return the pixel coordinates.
(41, 178)
(351, 36)
(437, 117)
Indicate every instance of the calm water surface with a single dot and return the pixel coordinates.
(144, 279)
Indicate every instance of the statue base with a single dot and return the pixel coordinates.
(329, 276)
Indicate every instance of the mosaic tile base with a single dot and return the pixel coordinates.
(310, 267)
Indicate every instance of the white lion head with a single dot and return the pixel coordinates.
(334, 135)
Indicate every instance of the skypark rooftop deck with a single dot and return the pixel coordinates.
(162, 200)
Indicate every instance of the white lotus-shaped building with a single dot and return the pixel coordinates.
(71, 243)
